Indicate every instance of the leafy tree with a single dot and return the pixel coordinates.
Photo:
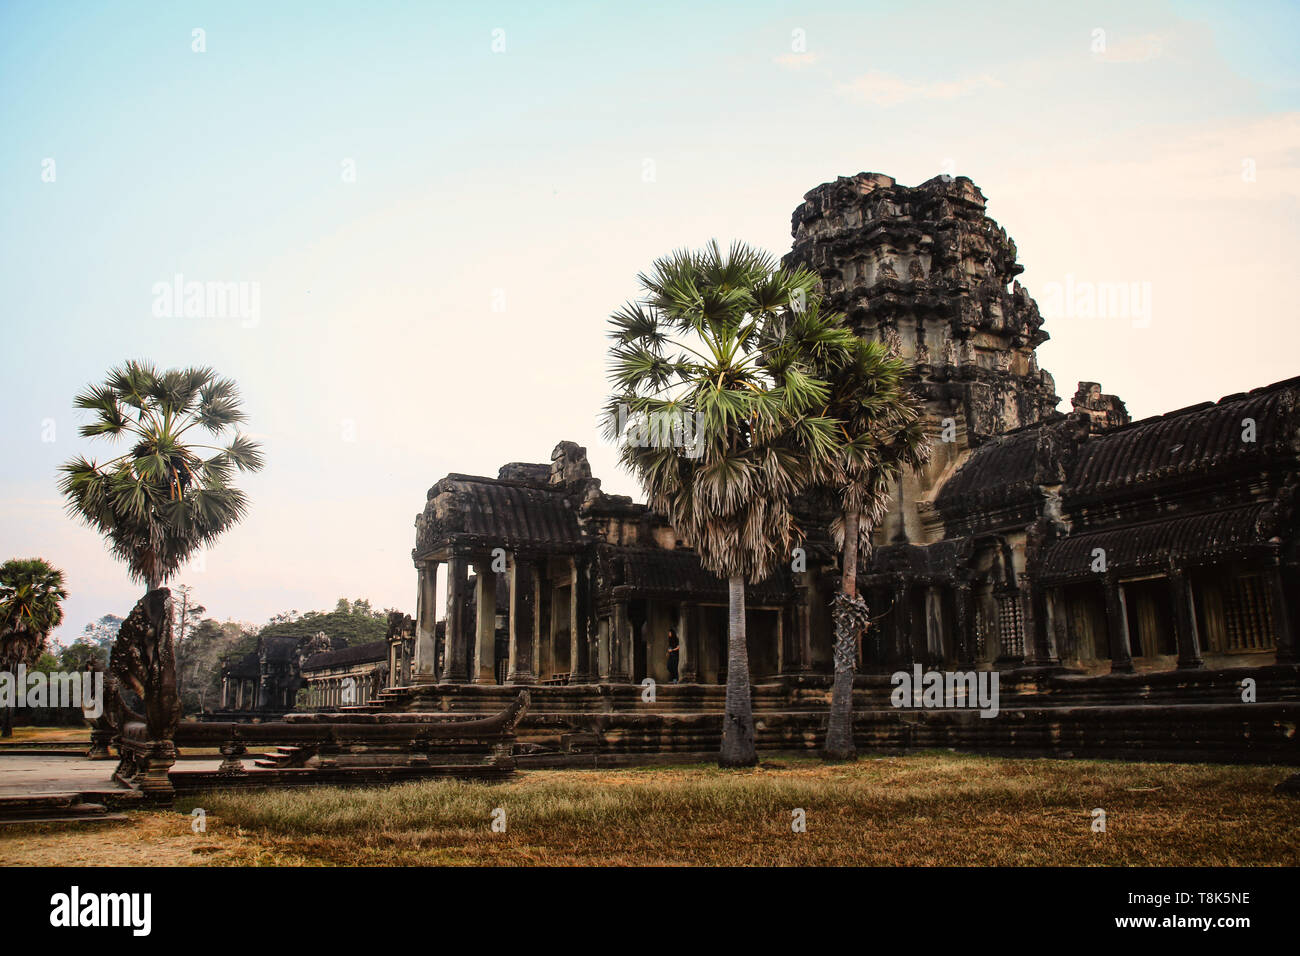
(185, 616)
(103, 632)
(79, 653)
(208, 644)
(167, 496)
(31, 599)
(720, 350)
(356, 622)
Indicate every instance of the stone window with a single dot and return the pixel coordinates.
(1248, 624)
(1011, 631)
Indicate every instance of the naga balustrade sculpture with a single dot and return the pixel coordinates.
(316, 747)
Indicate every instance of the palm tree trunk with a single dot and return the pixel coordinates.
(839, 732)
(738, 719)
(6, 722)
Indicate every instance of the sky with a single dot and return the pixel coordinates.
(435, 209)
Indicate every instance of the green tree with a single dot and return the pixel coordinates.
(356, 622)
(31, 605)
(168, 495)
(186, 615)
(208, 643)
(712, 371)
(103, 632)
(79, 653)
(879, 432)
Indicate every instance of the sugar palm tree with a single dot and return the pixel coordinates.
(879, 433)
(712, 370)
(168, 495)
(31, 596)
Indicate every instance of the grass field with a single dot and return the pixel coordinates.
(927, 809)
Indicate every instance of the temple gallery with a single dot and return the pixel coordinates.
(1086, 559)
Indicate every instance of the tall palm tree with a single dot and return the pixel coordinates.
(879, 433)
(712, 367)
(168, 495)
(31, 596)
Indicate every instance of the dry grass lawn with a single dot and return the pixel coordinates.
(926, 809)
(49, 734)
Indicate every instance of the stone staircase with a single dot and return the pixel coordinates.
(281, 757)
(1168, 715)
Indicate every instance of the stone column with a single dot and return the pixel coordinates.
(929, 632)
(1283, 583)
(785, 643)
(454, 660)
(426, 623)
(593, 622)
(1121, 657)
(778, 634)
(579, 636)
(800, 661)
(603, 652)
(902, 625)
(688, 659)
(523, 595)
(1184, 618)
(485, 635)
(964, 609)
(620, 644)
(541, 614)
(1041, 653)
(551, 655)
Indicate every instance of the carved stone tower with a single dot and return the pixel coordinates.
(927, 263)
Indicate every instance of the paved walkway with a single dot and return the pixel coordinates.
(29, 775)
(54, 774)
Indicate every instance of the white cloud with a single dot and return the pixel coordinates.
(1133, 49)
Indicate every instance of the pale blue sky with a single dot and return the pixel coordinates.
(517, 177)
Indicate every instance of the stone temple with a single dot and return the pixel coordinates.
(1123, 577)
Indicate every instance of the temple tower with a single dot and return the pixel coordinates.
(929, 265)
(926, 262)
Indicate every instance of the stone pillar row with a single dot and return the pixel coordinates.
(470, 653)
